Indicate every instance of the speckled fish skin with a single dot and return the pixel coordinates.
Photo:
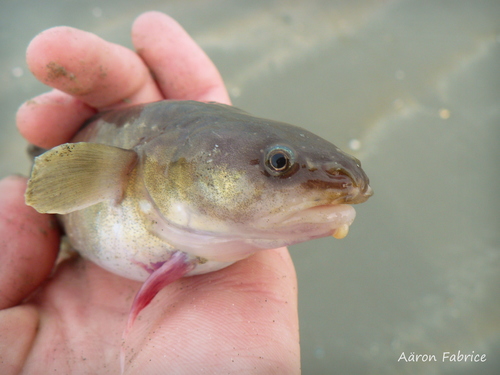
(204, 184)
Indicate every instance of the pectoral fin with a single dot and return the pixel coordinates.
(173, 269)
(73, 176)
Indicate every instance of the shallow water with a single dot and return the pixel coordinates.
(412, 88)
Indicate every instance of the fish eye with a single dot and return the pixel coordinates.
(279, 160)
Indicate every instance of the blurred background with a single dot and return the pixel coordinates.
(410, 87)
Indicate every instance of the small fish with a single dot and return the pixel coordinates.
(159, 191)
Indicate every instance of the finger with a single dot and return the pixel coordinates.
(29, 243)
(52, 118)
(81, 64)
(181, 68)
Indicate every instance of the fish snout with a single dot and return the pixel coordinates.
(363, 194)
(358, 190)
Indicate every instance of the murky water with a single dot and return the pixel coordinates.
(412, 88)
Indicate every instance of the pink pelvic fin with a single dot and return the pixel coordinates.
(173, 269)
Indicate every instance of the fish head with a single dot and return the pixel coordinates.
(237, 184)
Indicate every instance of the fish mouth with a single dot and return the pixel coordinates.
(326, 213)
(320, 221)
(324, 218)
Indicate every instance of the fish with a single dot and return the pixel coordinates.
(158, 191)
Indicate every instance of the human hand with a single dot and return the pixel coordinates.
(242, 318)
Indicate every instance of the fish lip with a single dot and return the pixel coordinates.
(314, 222)
(319, 220)
(327, 213)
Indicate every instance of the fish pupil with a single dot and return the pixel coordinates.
(279, 161)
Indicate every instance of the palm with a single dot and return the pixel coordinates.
(215, 321)
(241, 318)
